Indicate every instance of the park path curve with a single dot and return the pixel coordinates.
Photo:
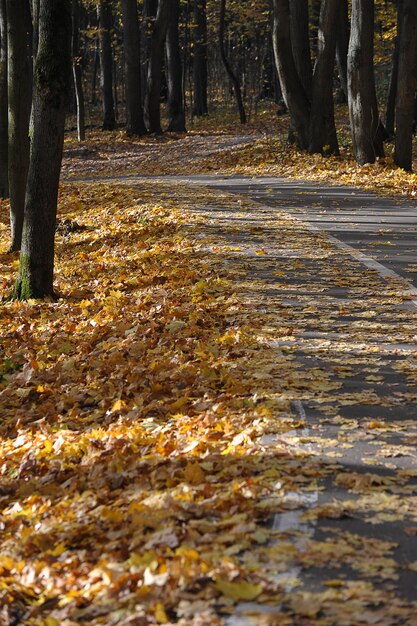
(332, 271)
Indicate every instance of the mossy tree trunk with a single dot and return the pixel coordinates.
(135, 124)
(19, 42)
(4, 178)
(52, 79)
(176, 110)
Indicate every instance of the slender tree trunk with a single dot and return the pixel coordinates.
(300, 43)
(294, 95)
(363, 106)
(232, 76)
(35, 21)
(323, 137)
(77, 70)
(176, 111)
(407, 85)
(200, 58)
(96, 67)
(4, 178)
(342, 45)
(149, 11)
(19, 41)
(135, 124)
(106, 64)
(392, 89)
(153, 94)
(51, 89)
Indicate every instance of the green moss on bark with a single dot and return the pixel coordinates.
(26, 287)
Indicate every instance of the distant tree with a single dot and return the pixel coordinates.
(200, 58)
(176, 111)
(106, 64)
(407, 85)
(231, 74)
(19, 42)
(342, 45)
(135, 123)
(4, 177)
(155, 66)
(52, 78)
(77, 70)
(363, 105)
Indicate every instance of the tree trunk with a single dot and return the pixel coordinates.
(315, 18)
(51, 89)
(176, 110)
(135, 124)
(323, 137)
(295, 97)
(300, 43)
(153, 93)
(106, 64)
(19, 41)
(77, 70)
(233, 78)
(4, 178)
(200, 58)
(342, 45)
(35, 21)
(392, 89)
(363, 106)
(149, 11)
(407, 84)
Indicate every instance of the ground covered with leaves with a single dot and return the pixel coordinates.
(178, 444)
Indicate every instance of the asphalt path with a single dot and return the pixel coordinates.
(378, 234)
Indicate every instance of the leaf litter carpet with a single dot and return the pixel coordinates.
(215, 425)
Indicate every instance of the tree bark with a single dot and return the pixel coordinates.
(300, 43)
(149, 11)
(407, 84)
(392, 89)
(35, 21)
(77, 70)
(19, 41)
(232, 76)
(200, 58)
(323, 137)
(342, 45)
(4, 178)
(363, 106)
(51, 88)
(135, 123)
(106, 64)
(153, 93)
(294, 95)
(176, 111)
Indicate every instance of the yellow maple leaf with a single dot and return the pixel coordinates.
(242, 590)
